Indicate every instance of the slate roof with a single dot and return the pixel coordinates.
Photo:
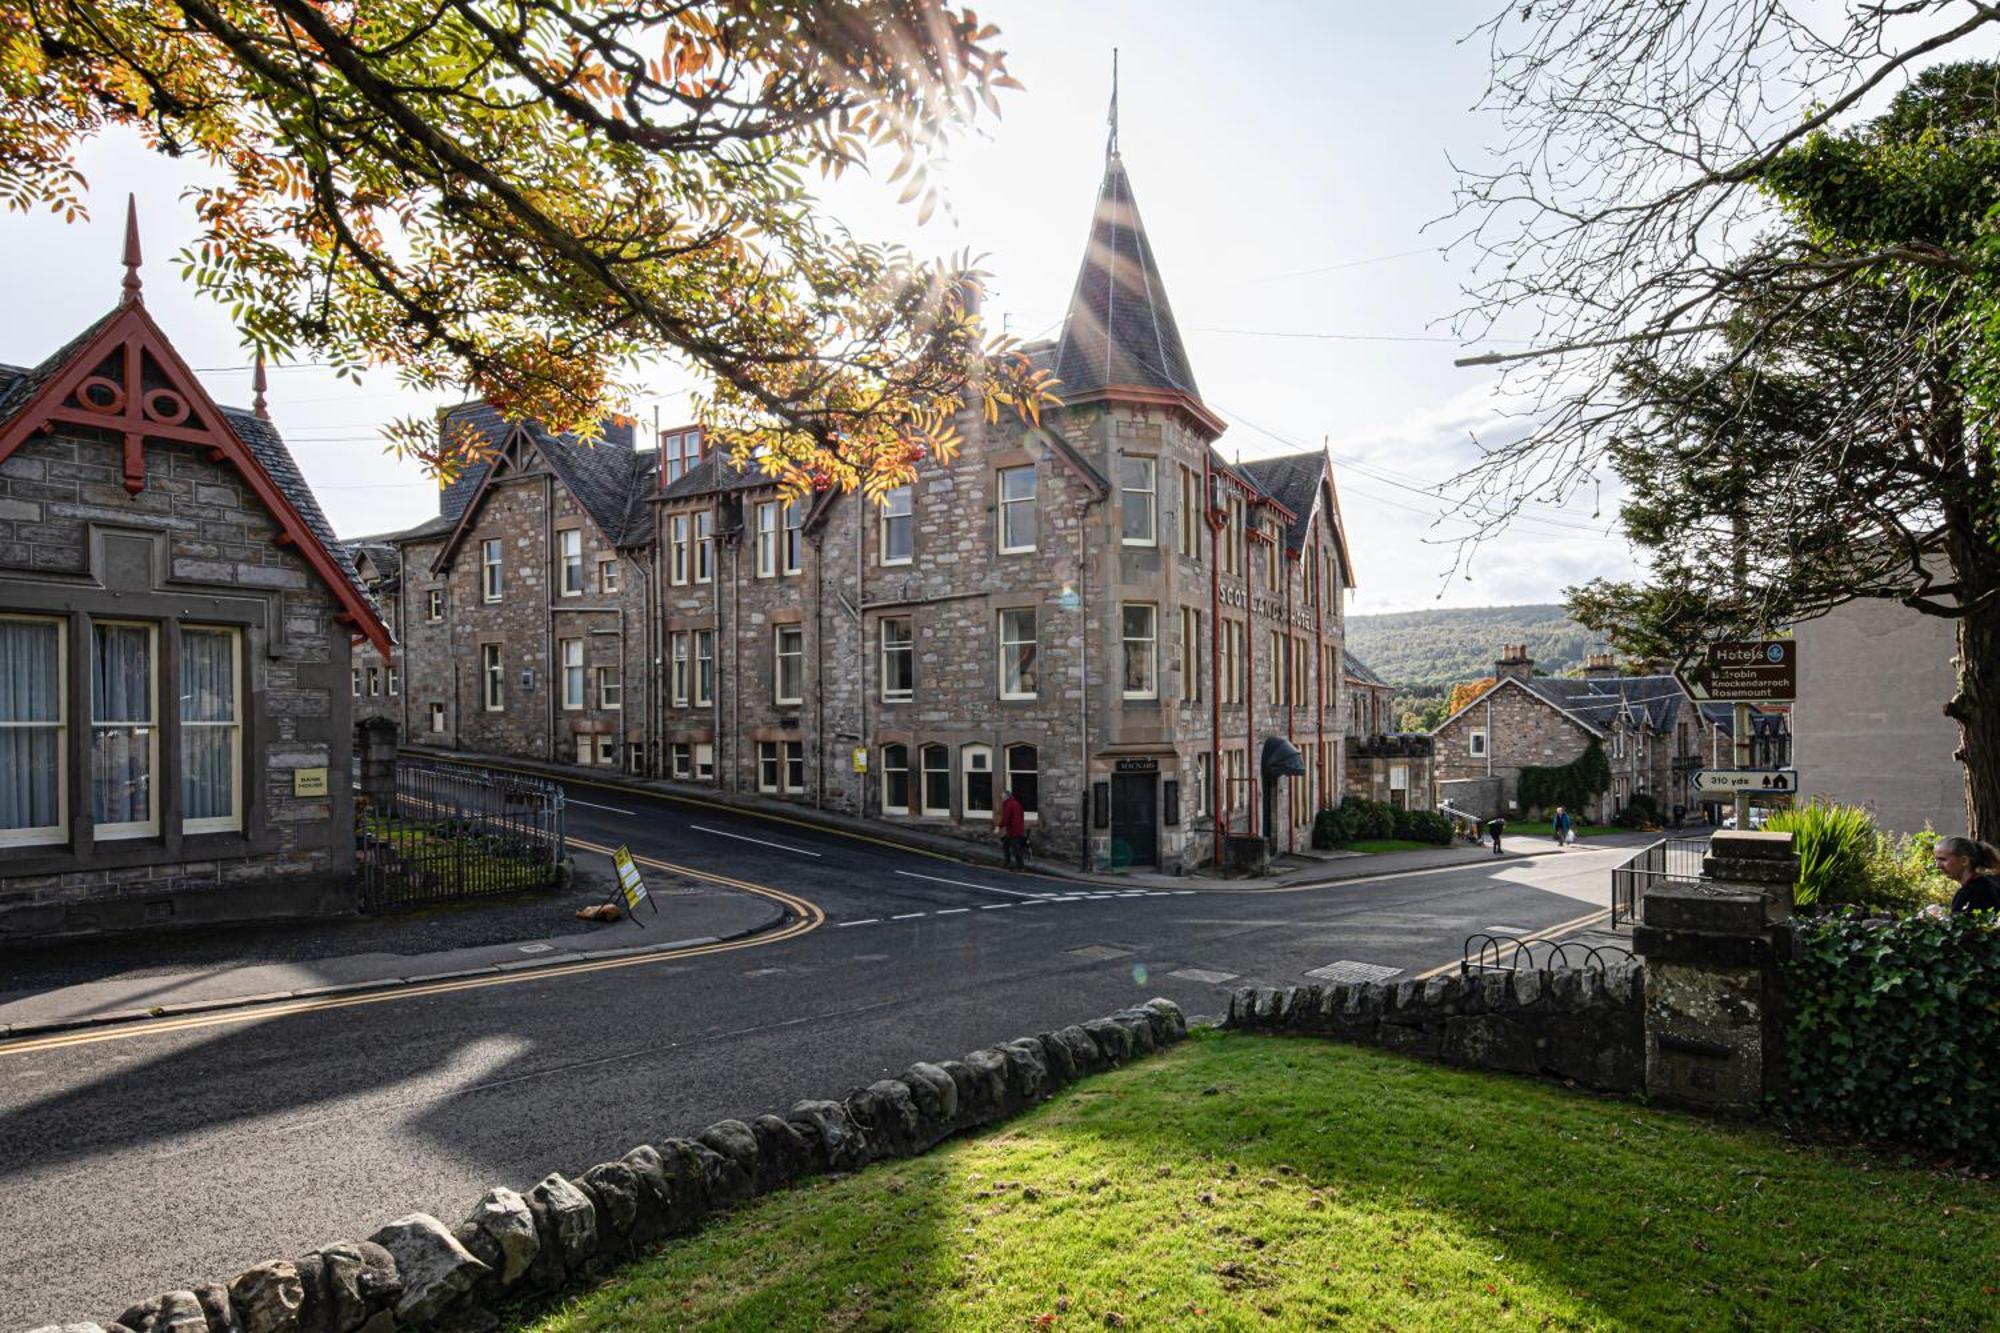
(715, 475)
(1359, 670)
(386, 556)
(603, 475)
(1293, 481)
(1120, 328)
(22, 381)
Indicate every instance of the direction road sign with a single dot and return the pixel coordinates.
(1755, 781)
(1758, 671)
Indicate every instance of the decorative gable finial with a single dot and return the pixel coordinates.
(258, 383)
(1111, 142)
(132, 258)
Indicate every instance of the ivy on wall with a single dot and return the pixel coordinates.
(1575, 784)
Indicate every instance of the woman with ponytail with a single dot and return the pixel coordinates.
(1970, 864)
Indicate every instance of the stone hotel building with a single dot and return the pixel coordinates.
(1099, 612)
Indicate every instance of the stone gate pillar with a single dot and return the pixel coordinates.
(375, 761)
(1714, 1013)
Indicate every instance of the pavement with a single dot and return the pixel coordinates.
(137, 1157)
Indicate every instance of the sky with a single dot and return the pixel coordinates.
(1285, 163)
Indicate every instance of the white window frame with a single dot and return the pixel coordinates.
(677, 549)
(704, 681)
(924, 771)
(791, 761)
(765, 543)
(138, 828)
(1150, 466)
(704, 761)
(395, 682)
(974, 760)
(435, 606)
(680, 760)
(680, 677)
(439, 719)
(1476, 743)
(571, 651)
(611, 687)
(492, 679)
(778, 656)
(569, 542)
(1204, 781)
(704, 546)
(1006, 505)
(898, 505)
(1013, 784)
(609, 577)
(887, 769)
(906, 648)
(492, 580)
(1152, 641)
(792, 556)
(1010, 644)
(354, 677)
(374, 682)
(770, 763)
(606, 746)
(233, 821)
(59, 831)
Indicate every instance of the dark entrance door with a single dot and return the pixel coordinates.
(1135, 819)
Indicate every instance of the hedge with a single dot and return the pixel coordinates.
(1356, 819)
(1895, 1032)
(1575, 784)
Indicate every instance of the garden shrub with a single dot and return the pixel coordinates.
(1639, 812)
(1424, 826)
(1333, 827)
(1895, 1030)
(1356, 819)
(1834, 844)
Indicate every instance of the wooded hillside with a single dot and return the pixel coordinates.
(1425, 652)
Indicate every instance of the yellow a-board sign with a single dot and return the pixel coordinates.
(631, 886)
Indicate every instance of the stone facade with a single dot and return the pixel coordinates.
(174, 562)
(856, 658)
(1652, 735)
(1383, 764)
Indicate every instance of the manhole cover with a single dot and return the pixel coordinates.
(1348, 970)
(1098, 952)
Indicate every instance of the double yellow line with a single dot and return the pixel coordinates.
(808, 917)
(1539, 937)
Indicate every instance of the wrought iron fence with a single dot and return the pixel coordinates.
(1670, 859)
(450, 832)
(1505, 953)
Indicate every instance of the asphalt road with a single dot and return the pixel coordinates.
(134, 1165)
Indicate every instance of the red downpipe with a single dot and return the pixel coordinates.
(1291, 692)
(1250, 683)
(1215, 797)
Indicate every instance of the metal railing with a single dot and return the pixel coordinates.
(1505, 953)
(450, 832)
(1468, 825)
(1676, 860)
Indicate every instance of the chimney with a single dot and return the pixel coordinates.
(1514, 663)
(1599, 665)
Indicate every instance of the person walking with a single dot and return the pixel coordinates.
(1012, 821)
(1560, 825)
(1496, 828)
(1967, 863)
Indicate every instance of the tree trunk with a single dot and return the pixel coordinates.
(1975, 705)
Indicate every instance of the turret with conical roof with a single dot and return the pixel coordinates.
(1120, 330)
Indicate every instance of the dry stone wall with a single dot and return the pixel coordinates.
(1577, 1024)
(416, 1272)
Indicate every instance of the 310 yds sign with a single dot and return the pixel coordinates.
(1762, 781)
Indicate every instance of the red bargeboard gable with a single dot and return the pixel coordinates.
(124, 377)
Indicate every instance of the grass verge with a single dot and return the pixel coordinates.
(1240, 1182)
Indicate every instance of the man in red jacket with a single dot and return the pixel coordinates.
(1012, 821)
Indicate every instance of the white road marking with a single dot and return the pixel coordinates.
(952, 911)
(864, 921)
(571, 800)
(994, 907)
(908, 916)
(967, 884)
(1183, 893)
(703, 828)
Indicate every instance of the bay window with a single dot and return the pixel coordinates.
(33, 662)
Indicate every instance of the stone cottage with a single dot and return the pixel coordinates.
(1383, 764)
(1653, 736)
(175, 628)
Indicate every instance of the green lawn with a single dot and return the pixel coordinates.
(1254, 1182)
